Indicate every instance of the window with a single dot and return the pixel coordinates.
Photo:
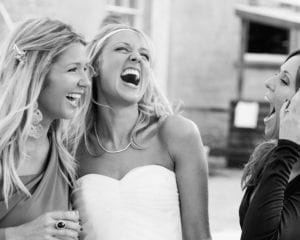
(124, 11)
(266, 39)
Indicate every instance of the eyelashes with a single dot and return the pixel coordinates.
(74, 69)
(125, 50)
(122, 49)
(284, 79)
(146, 56)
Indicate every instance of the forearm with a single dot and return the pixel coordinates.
(265, 212)
(194, 210)
(196, 231)
(197, 236)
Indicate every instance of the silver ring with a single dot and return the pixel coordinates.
(60, 224)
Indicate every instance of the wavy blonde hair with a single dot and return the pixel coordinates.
(43, 41)
(153, 104)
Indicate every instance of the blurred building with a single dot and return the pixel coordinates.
(208, 52)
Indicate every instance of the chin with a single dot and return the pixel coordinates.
(132, 99)
(271, 133)
(68, 115)
(272, 127)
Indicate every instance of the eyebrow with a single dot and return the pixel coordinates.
(78, 64)
(127, 44)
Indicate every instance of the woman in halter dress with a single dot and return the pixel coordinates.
(43, 80)
(142, 169)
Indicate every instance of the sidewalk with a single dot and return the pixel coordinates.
(224, 199)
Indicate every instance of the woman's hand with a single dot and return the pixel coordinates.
(44, 227)
(290, 119)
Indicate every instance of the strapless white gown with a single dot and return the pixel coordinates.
(143, 205)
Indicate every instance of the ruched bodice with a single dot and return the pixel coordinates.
(143, 205)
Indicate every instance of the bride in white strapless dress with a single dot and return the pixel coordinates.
(143, 205)
(130, 124)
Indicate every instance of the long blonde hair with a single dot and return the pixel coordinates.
(153, 104)
(21, 81)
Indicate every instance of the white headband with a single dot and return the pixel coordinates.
(101, 40)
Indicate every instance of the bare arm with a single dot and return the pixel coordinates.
(186, 149)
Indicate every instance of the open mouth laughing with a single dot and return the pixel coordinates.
(131, 76)
(74, 98)
(272, 110)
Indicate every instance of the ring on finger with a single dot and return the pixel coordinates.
(60, 224)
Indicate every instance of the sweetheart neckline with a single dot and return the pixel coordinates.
(126, 174)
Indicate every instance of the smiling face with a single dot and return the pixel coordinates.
(280, 87)
(124, 65)
(65, 84)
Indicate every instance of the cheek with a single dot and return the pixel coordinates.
(46, 101)
(288, 96)
(56, 87)
(146, 74)
(49, 95)
(283, 96)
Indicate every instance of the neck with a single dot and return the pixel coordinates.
(34, 143)
(36, 154)
(115, 126)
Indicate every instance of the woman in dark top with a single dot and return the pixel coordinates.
(43, 80)
(270, 208)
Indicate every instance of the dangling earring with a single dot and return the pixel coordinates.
(36, 129)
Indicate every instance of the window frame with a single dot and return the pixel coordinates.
(125, 9)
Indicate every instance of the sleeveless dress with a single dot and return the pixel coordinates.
(143, 205)
(49, 192)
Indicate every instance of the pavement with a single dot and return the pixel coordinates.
(225, 195)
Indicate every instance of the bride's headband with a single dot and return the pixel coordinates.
(105, 37)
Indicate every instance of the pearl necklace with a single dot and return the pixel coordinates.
(110, 151)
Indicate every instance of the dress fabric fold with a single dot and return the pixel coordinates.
(49, 192)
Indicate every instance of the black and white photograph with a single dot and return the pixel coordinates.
(149, 119)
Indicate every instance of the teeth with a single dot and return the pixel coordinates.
(131, 71)
(74, 95)
(267, 99)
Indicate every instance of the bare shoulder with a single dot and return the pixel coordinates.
(177, 127)
(179, 134)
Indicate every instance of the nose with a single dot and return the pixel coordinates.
(135, 57)
(84, 81)
(269, 83)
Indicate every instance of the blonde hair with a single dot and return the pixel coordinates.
(153, 105)
(42, 40)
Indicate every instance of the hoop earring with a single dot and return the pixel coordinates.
(36, 129)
